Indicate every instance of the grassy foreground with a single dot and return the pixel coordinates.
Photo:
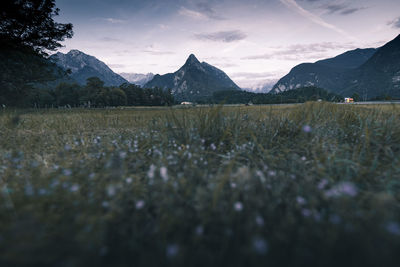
(308, 185)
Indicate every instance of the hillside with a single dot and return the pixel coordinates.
(380, 75)
(331, 74)
(369, 72)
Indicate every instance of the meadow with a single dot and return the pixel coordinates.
(315, 184)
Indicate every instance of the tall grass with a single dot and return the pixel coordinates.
(313, 184)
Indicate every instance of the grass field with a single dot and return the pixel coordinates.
(316, 184)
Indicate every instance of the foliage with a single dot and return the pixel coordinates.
(30, 23)
(299, 95)
(304, 185)
(94, 94)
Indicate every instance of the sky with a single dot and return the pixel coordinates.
(253, 41)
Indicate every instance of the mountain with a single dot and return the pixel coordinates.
(83, 66)
(331, 74)
(264, 86)
(378, 76)
(136, 78)
(194, 81)
(371, 73)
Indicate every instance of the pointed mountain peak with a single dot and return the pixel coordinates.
(192, 60)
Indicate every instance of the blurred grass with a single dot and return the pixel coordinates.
(304, 185)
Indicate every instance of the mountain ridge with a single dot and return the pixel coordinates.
(368, 72)
(83, 66)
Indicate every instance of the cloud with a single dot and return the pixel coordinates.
(292, 4)
(109, 39)
(191, 13)
(252, 75)
(207, 10)
(202, 11)
(116, 66)
(152, 50)
(222, 36)
(395, 23)
(342, 9)
(114, 21)
(302, 51)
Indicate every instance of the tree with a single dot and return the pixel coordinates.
(30, 23)
(356, 97)
(67, 94)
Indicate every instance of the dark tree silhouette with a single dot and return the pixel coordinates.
(30, 23)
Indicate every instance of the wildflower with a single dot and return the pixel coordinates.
(238, 206)
(233, 185)
(213, 147)
(259, 221)
(151, 171)
(74, 188)
(128, 180)
(335, 219)
(42, 191)
(307, 129)
(199, 230)
(393, 228)
(300, 200)
(260, 246)
(164, 174)
(342, 189)
(67, 172)
(140, 204)
(306, 212)
(322, 184)
(172, 251)
(303, 158)
(67, 147)
(271, 173)
(111, 190)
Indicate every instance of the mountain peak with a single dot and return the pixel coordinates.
(192, 60)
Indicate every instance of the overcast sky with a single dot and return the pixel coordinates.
(251, 40)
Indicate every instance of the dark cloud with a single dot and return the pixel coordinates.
(395, 23)
(342, 9)
(302, 51)
(222, 36)
(207, 10)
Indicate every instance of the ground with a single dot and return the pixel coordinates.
(316, 184)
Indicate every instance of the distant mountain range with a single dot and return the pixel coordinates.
(136, 78)
(368, 72)
(82, 66)
(264, 86)
(194, 81)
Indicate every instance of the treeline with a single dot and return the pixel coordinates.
(299, 95)
(95, 94)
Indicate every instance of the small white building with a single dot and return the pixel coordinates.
(187, 103)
